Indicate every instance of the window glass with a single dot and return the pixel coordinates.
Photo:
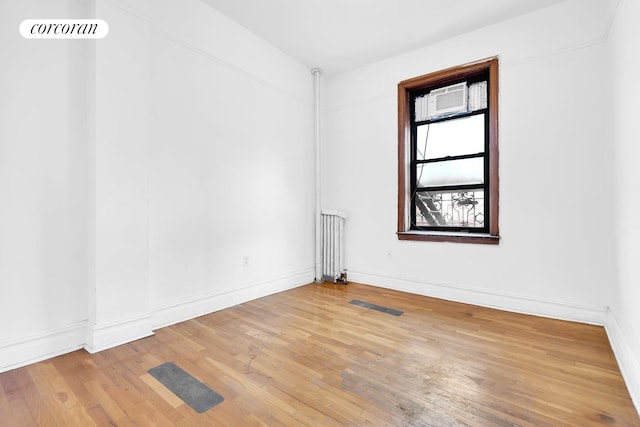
(451, 172)
(450, 138)
(450, 208)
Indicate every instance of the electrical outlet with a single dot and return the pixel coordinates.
(245, 260)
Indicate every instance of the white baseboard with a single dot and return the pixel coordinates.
(35, 348)
(169, 314)
(491, 299)
(602, 316)
(23, 351)
(111, 334)
(628, 363)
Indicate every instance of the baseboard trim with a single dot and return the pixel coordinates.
(602, 316)
(34, 348)
(103, 336)
(22, 351)
(627, 362)
(168, 314)
(490, 299)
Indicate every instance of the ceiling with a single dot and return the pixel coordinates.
(339, 35)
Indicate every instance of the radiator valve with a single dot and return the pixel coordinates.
(342, 278)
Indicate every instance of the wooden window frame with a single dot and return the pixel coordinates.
(442, 78)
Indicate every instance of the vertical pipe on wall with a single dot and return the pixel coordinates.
(318, 255)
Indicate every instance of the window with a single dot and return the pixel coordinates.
(448, 155)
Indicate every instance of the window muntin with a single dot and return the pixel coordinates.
(448, 155)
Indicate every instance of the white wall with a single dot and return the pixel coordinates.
(562, 149)
(555, 172)
(42, 187)
(231, 165)
(119, 173)
(625, 69)
(137, 173)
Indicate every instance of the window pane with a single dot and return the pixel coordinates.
(451, 172)
(450, 138)
(450, 209)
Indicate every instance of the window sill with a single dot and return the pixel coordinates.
(434, 236)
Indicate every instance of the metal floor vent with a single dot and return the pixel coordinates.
(192, 392)
(377, 307)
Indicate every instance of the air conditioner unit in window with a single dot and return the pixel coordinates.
(448, 100)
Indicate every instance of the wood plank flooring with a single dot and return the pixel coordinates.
(308, 357)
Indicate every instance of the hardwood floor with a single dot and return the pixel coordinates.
(308, 357)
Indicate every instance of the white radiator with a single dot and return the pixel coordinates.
(332, 225)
